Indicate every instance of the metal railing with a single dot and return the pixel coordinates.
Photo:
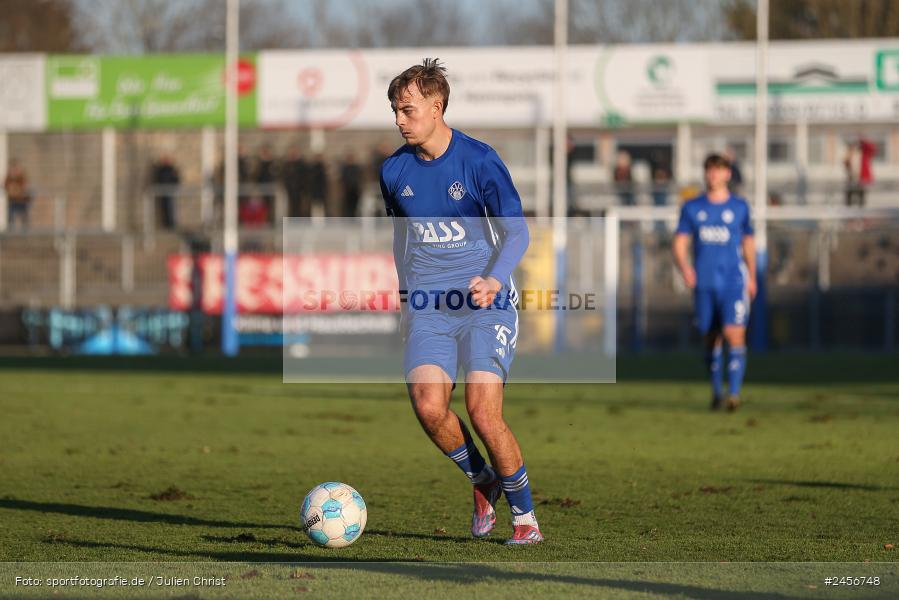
(199, 208)
(831, 270)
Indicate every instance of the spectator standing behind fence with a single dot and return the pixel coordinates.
(266, 176)
(570, 188)
(623, 178)
(735, 185)
(165, 180)
(18, 198)
(318, 183)
(351, 179)
(867, 149)
(244, 173)
(859, 171)
(293, 176)
(379, 154)
(254, 212)
(849, 168)
(660, 181)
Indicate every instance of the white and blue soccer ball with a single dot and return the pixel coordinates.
(333, 515)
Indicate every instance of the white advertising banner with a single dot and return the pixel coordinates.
(820, 82)
(22, 100)
(490, 87)
(645, 84)
(846, 81)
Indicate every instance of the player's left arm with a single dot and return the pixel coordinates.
(748, 246)
(502, 202)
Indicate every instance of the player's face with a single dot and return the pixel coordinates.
(717, 178)
(416, 116)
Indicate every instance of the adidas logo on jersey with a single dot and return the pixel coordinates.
(407, 192)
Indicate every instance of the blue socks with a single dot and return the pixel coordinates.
(736, 367)
(516, 486)
(470, 460)
(713, 362)
(518, 493)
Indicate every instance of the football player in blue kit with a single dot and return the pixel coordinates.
(722, 276)
(459, 232)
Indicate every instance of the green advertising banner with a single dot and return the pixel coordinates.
(174, 90)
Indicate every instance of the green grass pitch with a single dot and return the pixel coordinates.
(200, 463)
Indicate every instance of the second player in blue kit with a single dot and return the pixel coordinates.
(459, 232)
(722, 276)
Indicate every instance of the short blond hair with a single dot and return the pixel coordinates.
(429, 76)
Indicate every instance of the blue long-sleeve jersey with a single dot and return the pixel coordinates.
(455, 217)
(717, 229)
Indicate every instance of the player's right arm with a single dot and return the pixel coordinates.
(681, 247)
(399, 232)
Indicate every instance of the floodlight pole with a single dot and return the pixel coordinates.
(230, 342)
(560, 155)
(759, 330)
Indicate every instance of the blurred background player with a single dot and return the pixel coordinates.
(445, 180)
(722, 274)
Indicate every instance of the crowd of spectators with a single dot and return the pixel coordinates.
(313, 184)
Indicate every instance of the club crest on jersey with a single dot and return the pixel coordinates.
(727, 216)
(456, 191)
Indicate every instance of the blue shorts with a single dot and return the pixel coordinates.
(476, 340)
(717, 308)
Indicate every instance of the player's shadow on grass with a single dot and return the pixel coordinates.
(826, 484)
(464, 573)
(236, 556)
(124, 514)
(435, 537)
(474, 573)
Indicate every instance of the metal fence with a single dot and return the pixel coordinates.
(69, 269)
(832, 282)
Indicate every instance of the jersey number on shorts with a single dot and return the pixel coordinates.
(502, 333)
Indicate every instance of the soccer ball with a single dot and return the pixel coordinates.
(333, 515)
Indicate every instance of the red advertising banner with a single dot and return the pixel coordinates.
(277, 284)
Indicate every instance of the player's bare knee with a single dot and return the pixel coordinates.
(735, 336)
(429, 410)
(429, 403)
